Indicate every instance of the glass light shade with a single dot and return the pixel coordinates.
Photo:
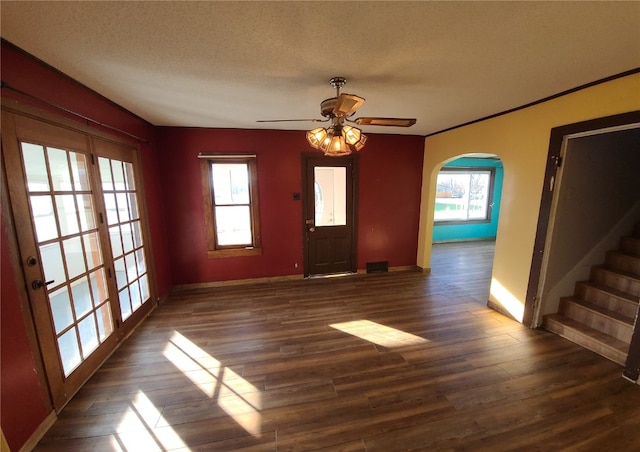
(351, 134)
(360, 144)
(315, 137)
(337, 147)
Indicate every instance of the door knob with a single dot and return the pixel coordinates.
(38, 284)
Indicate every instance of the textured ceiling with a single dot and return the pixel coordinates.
(228, 64)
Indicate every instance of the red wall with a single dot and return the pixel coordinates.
(388, 213)
(22, 408)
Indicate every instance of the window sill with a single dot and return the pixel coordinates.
(234, 252)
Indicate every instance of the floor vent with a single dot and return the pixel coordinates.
(378, 267)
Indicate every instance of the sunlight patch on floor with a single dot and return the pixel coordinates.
(376, 333)
(236, 396)
(137, 428)
(506, 299)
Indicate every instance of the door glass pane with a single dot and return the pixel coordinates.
(44, 218)
(68, 240)
(79, 171)
(111, 207)
(99, 286)
(74, 257)
(103, 317)
(127, 239)
(123, 207)
(61, 309)
(35, 167)
(144, 287)
(92, 250)
(121, 275)
(130, 181)
(116, 241)
(81, 297)
(59, 169)
(66, 209)
(51, 257)
(88, 335)
(105, 174)
(330, 186)
(125, 303)
(69, 351)
(133, 207)
(85, 211)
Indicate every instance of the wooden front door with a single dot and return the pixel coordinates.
(76, 209)
(329, 214)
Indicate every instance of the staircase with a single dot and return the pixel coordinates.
(600, 314)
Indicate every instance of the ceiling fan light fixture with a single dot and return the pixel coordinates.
(315, 137)
(336, 146)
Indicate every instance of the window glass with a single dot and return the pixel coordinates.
(231, 205)
(463, 195)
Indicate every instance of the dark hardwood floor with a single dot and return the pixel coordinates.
(379, 362)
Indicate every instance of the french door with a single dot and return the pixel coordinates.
(329, 207)
(75, 203)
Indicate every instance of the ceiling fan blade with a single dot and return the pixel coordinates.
(391, 122)
(347, 104)
(292, 120)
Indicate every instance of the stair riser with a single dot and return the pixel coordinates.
(616, 281)
(623, 262)
(577, 337)
(596, 320)
(630, 245)
(606, 300)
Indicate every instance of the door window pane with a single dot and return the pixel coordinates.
(103, 317)
(74, 257)
(59, 169)
(44, 218)
(67, 216)
(88, 335)
(85, 211)
(79, 171)
(99, 286)
(92, 250)
(69, 351)
(51, 256)
(61, 308)
(330, 185)
(35, 167)
(81, 297)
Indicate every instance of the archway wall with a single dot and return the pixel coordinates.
(521, 140)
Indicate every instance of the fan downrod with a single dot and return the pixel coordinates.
(337, 83)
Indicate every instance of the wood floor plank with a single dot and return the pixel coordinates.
(379, 362)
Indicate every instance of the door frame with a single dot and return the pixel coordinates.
(307, 157)
(13, 230)
(556, 142)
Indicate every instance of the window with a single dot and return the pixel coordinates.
(463, 195)
(229, 187)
